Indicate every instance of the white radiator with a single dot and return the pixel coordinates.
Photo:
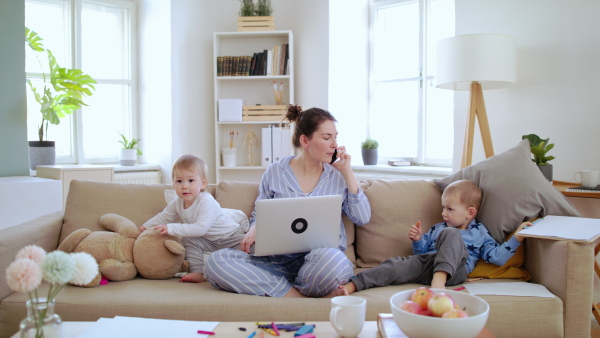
(143, 177)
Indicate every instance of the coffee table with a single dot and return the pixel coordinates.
(230, 330)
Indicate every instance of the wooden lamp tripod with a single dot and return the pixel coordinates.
(476, 110)
(468, 62)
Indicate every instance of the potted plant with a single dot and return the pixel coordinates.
(62, 94)
(369, 151)
(130, 151)
(539, 148)
(255, 16)
(263, 8)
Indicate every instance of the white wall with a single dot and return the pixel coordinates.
(557, 93)
(193, 23)
(154, 84)
(555, 97)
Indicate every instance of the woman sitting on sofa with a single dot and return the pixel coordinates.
(308, 174)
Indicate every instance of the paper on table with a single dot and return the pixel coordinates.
(146, 327)
(509, 289)
(573, 228)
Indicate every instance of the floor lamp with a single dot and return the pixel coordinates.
(475, 62)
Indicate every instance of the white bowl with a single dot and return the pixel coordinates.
(419, 326)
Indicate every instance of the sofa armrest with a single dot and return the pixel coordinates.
(43, 232)
(567, 270)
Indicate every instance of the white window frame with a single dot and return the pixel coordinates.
(425, 78)
(75, 61)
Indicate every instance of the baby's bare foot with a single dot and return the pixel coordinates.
(340, 291)
(193, 277)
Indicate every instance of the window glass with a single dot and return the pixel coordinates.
(102, 48)
(407, 114)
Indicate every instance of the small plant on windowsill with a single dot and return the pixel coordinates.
(369, 151)
(130, 151)
(539, 148)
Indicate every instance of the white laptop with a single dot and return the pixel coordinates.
(297, 224)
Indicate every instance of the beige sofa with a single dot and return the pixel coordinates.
(565, 268)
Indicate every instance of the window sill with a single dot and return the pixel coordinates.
(400, 172)
(118, 168)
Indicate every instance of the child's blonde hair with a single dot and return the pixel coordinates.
(189, 162)
(468, 193)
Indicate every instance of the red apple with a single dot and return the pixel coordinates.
(410, 306)
(422, 296)
(440, 303)
(455, 313)
(426, 312)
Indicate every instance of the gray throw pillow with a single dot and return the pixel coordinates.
(514, 190)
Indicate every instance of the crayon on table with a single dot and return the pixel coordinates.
(275, 328)
(210, 333)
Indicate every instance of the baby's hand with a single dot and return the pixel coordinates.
(414, 234)
(142, 228)
(162, 228)
(521, 227)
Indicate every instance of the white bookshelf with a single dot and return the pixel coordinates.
(253, 90)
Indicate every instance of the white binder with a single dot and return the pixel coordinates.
(276, 143)
(286, 142)
(267, 147)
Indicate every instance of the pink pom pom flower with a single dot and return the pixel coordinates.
(24, 275)
(33, 252)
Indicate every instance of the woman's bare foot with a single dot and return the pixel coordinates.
(192, 277)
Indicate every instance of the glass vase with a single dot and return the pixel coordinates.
(41, 321)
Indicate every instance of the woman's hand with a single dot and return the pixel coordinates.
(344, 159)
(248, 239)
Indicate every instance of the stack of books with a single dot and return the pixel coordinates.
(269, 62)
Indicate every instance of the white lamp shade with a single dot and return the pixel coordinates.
(490, 59)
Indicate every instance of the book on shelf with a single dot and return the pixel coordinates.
(282, 60)
(400, 162)
(387, 326)
(577, 229)
(287, 57)
(220, 65)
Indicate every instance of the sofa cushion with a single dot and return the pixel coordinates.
(88, 200)
(395, 206)
(237, 195)
(514, 190)
(169, 299)
(513, 268)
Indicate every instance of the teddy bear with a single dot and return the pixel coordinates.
(123, 252)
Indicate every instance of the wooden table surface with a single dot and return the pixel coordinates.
(563, 186)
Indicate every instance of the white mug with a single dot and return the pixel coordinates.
(589, 178)
(347, 315)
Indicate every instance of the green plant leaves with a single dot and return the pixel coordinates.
(369, 143)
(539, 147)
(63, 93)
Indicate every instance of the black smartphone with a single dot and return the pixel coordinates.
(333, 158)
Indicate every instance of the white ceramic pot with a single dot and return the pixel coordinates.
(128, 157)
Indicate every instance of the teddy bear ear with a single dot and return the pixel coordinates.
(174, 247)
